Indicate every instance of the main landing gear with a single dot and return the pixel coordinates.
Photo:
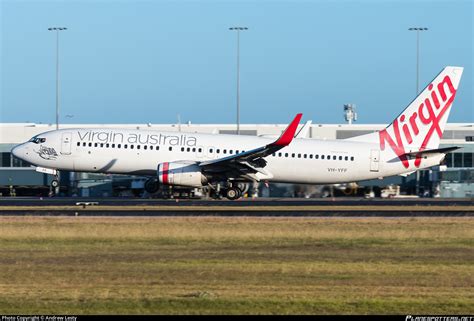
(233, 193)
(152, 185)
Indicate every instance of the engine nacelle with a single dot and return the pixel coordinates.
(181, 173)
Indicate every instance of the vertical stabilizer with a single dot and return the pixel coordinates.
(420, 126)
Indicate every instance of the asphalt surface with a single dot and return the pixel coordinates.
(114, 201)
(340, 207)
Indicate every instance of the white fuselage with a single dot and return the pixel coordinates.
(139, 152)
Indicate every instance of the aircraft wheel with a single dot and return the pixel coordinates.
(152, 185)
(54, 183)
(233, 193)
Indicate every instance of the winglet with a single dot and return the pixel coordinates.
(304, 130)
(289, 133)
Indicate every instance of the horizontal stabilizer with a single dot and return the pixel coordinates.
(432, 151)
(406, 174)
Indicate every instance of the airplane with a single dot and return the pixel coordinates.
(409, 143)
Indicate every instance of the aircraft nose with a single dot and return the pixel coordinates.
(16, 151)
(19, 151)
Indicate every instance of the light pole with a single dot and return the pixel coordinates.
(57, 29)
(418, 55)
(238, 29)
(418, 29)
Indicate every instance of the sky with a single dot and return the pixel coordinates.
(148, 61)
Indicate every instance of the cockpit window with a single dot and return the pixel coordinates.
(37, 140)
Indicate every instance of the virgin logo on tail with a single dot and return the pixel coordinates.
(428, 114)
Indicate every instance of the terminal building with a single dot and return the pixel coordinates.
(455, 179)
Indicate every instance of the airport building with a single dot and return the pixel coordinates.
(455, 179)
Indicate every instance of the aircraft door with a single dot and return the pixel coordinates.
(66, 142)
(374, 160)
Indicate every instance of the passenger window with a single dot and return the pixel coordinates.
(224, 151)
(279, 154)
(311, 156)
(237, 151)
(131, 146)
(84, 144)
(316, 156)
(304, 156)
(90, 144)
(340, 157)
(188, 149)
(200, 150)
(210, 150)
(151, 147)
(125, 146)
(230, 151)
(194, 149)
(218, 151)
(182, 149)
(352, 158)
(157, 148)
(101, 145)
(119, 145)
(328, 157)
(346, 158)
(334, 157)
(113, 145)
(78, 143)
(138, 146)
(299, 155)
(107, 145)
(171, 148)
(286, 154)
(322, 156)
(95, 144)
(293, 155)
(145, 147)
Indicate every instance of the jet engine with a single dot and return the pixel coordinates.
(181, 173)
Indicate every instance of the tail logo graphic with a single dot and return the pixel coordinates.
(428, 114)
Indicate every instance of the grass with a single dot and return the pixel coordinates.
(211, 265)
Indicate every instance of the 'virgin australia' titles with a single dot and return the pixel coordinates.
(137, 138)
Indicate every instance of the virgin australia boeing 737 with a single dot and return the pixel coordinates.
(409, 143)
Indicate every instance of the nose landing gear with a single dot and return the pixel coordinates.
(54, 183)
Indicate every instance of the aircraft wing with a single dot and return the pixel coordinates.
(252, 161)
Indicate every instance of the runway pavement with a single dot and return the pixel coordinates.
(349, 201)
(244, 207)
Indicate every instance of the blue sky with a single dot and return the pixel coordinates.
(147, 61)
